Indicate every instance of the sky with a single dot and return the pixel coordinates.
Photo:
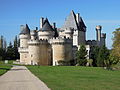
(14, 13)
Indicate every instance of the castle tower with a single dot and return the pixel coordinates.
(79, 28)
(62, 50)
(98, 32)
(33, 35)
(38, 52)
(24, 38)
(103, 38)
(69, 33)
(46, 32)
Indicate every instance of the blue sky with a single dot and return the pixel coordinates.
(13, 13)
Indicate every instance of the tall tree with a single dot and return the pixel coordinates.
(2, 48)
(116, 43)
(16, 43)
(94, 52)
(10, 52)
(81, 55)
(1, 41)
(103, 56)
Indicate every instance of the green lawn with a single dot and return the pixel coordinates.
(77, 78)
(5, 67)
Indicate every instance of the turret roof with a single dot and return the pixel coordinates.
(46, 26)
(71, 22)
(25, 29)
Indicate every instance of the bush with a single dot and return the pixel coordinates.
(64, 63)
(82, 62)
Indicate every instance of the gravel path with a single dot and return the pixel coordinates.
(20, 78)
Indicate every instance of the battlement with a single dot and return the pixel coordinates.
(33, 32)
(38, 42)
(22, 49)
(23, 36)
(91, 42)
(68, 30)
(60, 40)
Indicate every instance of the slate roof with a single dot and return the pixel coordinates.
(71, 22)
(25, 29)
(46, 26)
(82, 25)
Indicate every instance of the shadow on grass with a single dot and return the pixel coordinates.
(4, 69)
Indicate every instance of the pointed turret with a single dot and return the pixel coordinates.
(25, 29)
(74, 21)
(70, 22)
(46, 32)
(47, 26)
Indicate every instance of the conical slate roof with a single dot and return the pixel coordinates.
(47, 26)
(70, 21)
(25, 29)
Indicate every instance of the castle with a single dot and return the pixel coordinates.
(49, 44)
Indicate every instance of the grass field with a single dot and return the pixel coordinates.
(77, 78)
(5, 67)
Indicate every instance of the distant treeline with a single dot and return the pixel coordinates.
(10, 51)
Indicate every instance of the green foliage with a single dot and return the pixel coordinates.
(89, 62)
(4, 68)
(11, 52)
(66, 63)
(116, 43)
(63, 63)
(77, 77)
(81, 55)
(15, 48)
(94, 52)
(103, 56)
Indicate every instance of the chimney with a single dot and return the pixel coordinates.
(36, 28)
(54, 25)
(41, 22)
(78, 18)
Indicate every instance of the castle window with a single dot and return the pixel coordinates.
(31, 55)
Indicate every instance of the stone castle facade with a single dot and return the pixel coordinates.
(49, 44)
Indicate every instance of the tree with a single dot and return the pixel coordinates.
(15, 48)
(94, 51)
(81, 55)
(1, 41)
(2, 48)
(103, 56)
(116, 43)
(10, 52)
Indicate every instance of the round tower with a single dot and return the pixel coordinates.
(98, 32)
(24, 36)
(62, 50)
(38, 52)
(103, 38)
